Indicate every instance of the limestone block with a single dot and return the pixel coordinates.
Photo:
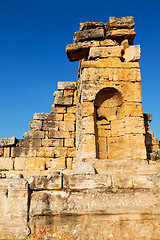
(29, 143)
(68, 93)
(90, 25)
(56, 163)
(69, 142)
(49, 182)
(88, 145)
(87, 109)
(59, 109)
(121, 34)
(136, 150)
(66, 85)
(80, 50)
(76, 52)
(88, 182)
(10, 141)
(63, 101)
(61, 152)
(132, 54)
(45, 152)
(59, 116)
(7, 152)
(57, 94)
(133, 109)
(19, 163)
(142, 182)
(37, 134)
(49, 124)
(105, 52)
(122, 181)
(60, 134)
(88, 125)
(109, 63)
(23, 152)
(48, 203)
(71, 109)
(134, 125)
(117, 128)
(71, 152)
(83, 168)
(132, 92)
(90, 34)
(94, 75)
(35, 163)
(107, 43)
(41, 116)
(4, 184)
(35, 125)
(52, 142)
(69, 162)
(69, 117)
(65, 126)
(6, 164)
(122, 22)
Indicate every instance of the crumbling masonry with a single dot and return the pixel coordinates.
(90, 168)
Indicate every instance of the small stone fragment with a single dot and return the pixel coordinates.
(132, 54)
(10, 141)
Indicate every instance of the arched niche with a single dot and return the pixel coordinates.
(108, 116)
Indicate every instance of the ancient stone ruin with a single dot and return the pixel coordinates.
(90, 168)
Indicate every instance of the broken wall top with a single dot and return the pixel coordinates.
(99, 34)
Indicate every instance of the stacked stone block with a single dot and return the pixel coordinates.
(109, 104)
(50, 143)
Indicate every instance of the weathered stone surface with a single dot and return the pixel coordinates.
(90, 34)
(121, 34)
(83, 168)
(50, 182)
(37, 134)
(109, 63)
(66, 85)
(35, 125)
(19, 163)
(132, 54)
(35, 163)
(82, 181)
(4, 142)
(6, 164)
(104, 52)
(90, 25)
(122, 22)
(41, 116)
(57, 163)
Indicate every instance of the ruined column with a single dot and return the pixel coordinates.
(109, 117)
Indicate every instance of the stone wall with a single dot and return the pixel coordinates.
(50, 143)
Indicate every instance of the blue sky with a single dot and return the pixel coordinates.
(34, 34)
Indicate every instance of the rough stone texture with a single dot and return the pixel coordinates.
(5, 142)
(83, 168)
(97, 33)
(82, 172)
(132, 54)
